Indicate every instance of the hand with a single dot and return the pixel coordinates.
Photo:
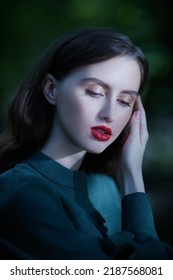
(129, 173)
(134, 146)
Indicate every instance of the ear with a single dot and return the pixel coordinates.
(49, 87)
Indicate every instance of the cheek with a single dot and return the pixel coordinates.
(72, 111)
(122, 122)
(126, 118)
(77, 111)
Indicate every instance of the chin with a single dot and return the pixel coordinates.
(96, 150)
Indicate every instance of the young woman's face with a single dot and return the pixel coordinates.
(94, 103)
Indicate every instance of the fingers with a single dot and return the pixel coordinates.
(143, 122)
(139, 114)
(135, 125)
(139, 106)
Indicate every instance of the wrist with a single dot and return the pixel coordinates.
(131, 182)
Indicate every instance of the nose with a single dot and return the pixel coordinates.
(108, 112)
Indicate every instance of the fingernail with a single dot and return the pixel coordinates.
(137, 114)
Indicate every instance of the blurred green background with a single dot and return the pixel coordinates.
(28, 27)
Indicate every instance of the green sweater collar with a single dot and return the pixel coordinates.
(55, 172)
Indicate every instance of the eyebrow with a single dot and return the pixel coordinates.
(97, 81)
(106, 86)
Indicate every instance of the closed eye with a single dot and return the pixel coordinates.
(124, 103)
(93, 93)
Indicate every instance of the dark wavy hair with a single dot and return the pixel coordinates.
(30, 116)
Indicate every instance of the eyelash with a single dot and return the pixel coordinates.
(92, 93)
(95, 94)
(124, 103)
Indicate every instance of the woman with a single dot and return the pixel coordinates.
(55, 203)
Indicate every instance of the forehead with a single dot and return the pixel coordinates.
(117, 71)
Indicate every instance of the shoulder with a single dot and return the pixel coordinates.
(18, 175)
(22, 189)
(21, 180)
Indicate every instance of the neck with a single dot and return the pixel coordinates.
(63, 151)
(72, 162)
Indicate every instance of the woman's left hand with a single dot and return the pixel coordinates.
(129, 173)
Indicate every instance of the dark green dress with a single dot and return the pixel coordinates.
(50, 212)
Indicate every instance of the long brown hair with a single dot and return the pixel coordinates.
(30, 116)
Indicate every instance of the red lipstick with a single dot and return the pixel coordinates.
(101, 133)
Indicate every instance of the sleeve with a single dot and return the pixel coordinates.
(138, 238)
(137, 216)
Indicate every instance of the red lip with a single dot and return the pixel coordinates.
(101, 133)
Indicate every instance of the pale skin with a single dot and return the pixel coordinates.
(106, 94)
(129, 175)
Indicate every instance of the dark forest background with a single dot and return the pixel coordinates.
(28, 27)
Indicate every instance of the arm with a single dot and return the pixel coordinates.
(129, 174)
(137, 216)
